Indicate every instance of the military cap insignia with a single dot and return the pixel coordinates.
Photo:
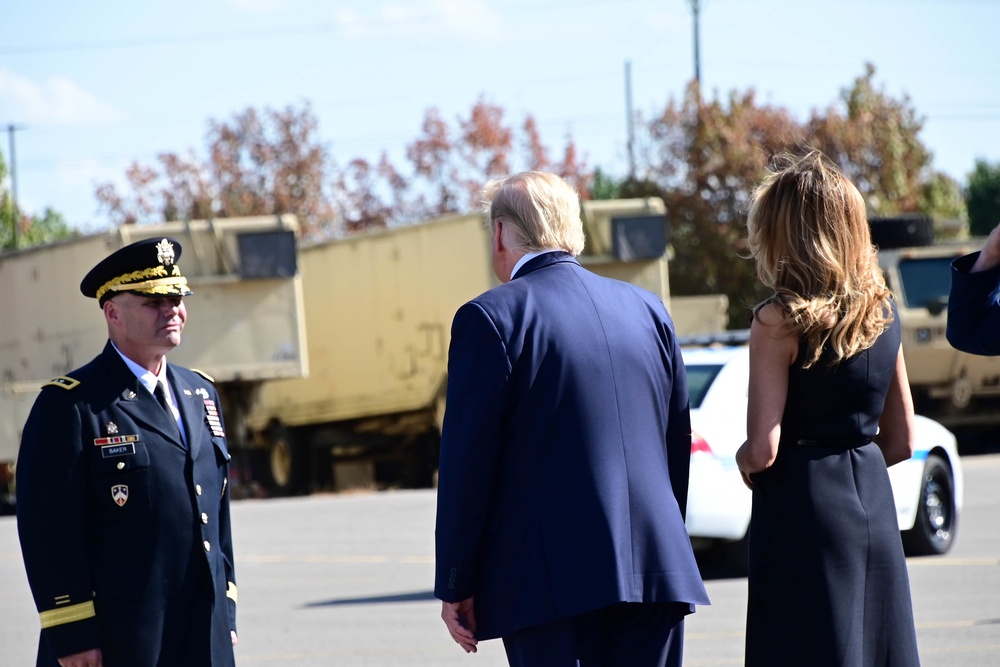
(165, 252)
(62, 381)
(119, 493)
(145, 267)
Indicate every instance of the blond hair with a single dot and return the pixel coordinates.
(540, 208)
(809, 236)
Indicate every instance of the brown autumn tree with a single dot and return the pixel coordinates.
(705, 157)
(272, 162)
(449, 164)
(259, 164)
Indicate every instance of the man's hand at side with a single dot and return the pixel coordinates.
(91, 658)
(460, 617)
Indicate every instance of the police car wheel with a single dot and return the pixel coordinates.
(934, 529)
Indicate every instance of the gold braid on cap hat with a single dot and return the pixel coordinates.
(156, 281)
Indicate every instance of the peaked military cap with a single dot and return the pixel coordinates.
(145, 267)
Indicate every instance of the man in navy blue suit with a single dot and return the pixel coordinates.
(564, 455)
(973, 310)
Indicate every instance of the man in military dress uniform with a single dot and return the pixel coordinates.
(122, 488)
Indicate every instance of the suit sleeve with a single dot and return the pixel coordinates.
(478, 377)
(678, 427)
(973, 311)
(51, 523)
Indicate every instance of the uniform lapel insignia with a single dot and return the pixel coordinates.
(130, 395)
(119, 493)
(112, 428)
(187, 392)
(115, 440)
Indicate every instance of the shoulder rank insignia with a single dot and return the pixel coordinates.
(204, 375)
(63, 381)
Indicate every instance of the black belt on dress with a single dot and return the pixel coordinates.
(840, 443)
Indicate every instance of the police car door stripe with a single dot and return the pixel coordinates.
(77, 612)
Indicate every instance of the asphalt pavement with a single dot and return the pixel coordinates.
(345, 581)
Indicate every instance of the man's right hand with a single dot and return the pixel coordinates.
(460, 617)
(91, 658)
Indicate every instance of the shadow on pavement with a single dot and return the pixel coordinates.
(422, 596)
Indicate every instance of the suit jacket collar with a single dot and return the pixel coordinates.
(547, 259)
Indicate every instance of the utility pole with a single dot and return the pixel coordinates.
(696, 11)
(629, 121)
(11, 129)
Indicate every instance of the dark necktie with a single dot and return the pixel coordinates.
(161, 398)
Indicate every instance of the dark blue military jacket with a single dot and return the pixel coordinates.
(124, 529)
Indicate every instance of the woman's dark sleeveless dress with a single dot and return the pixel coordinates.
(827, 578)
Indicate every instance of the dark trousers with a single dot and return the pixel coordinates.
(622, 635)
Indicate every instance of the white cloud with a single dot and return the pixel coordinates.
(424, 18)
(259, 6)
(56, 101)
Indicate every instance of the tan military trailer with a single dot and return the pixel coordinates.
(246, 320)
(378, 311)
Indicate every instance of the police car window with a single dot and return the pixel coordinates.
(925, 280)
(700, 378)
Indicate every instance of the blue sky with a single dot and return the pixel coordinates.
(96, 85)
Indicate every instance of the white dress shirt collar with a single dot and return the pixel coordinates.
(528, 257)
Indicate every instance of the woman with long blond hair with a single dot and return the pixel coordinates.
(829, 409)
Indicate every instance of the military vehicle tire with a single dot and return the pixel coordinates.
(287, 462)
(934, 528)
(961, 392)
(902, 231)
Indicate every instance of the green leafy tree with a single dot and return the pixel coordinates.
(983, 198)
(605, 186)
(875, 139)
(8, 216)
(18, 230)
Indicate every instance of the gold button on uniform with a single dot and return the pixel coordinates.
(204, 517)
(208, 547)
(197, 489)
